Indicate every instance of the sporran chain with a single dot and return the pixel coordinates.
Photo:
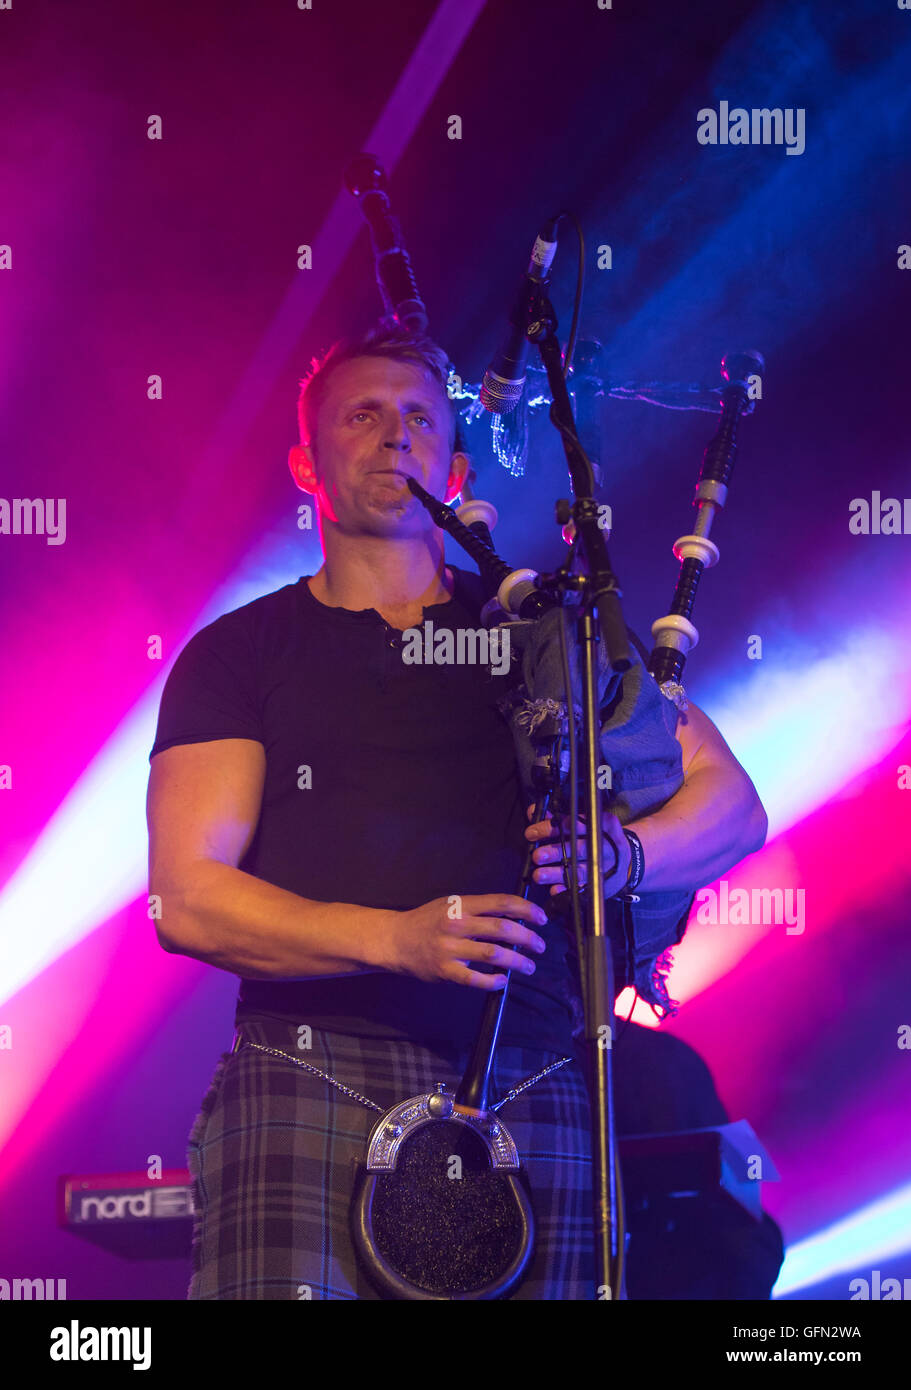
(371, 1104)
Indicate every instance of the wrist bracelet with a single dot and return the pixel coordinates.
(637, 863)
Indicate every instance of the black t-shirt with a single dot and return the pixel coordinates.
(387, 785)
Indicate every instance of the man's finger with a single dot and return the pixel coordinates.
(553, 825)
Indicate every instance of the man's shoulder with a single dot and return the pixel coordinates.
(277, 609)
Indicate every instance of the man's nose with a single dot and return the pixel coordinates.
(397, 436)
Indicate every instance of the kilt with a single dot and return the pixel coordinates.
(272, 1153)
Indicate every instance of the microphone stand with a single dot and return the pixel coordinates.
(599, 610)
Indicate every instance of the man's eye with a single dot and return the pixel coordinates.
(426, 418)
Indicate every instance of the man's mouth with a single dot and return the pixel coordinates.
(389, 473)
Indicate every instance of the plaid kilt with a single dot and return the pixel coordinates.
(272, 1153)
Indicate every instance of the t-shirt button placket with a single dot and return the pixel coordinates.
(390, 645)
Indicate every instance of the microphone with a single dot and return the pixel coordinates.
(366, 180)
(504, 379)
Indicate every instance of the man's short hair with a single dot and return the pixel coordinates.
(420, 352)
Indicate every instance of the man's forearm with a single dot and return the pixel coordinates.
(240, 923)
(706, 828)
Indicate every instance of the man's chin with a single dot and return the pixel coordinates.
(390, 498)
(392, 508)
(391, 517)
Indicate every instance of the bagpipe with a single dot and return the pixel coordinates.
(420, 1234)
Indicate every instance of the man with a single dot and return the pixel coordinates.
(315, 804)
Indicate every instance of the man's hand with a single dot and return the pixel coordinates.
(548, 835)
(441, 939)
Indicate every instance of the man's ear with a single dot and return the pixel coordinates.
(303, 467)
(459, 465)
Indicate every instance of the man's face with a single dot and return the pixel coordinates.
(379, 421)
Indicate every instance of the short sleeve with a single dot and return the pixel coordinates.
(212, 689)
